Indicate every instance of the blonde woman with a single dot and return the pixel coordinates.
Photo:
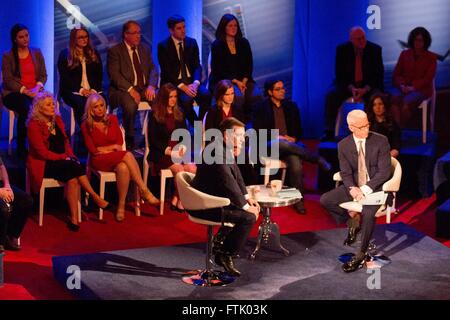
(51, 156)
(103, 139)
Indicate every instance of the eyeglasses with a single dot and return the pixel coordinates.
(362, 127)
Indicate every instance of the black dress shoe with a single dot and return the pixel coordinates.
(354, 264)
(227, 263)
(324, 165)
(351, 236)
(300, 207)
(12, 244)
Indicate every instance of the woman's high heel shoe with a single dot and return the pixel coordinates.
(120, 215)
(147, 196)
(73, 227)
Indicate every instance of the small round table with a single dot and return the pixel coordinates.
(267, 201)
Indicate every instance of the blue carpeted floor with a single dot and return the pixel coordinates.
(420, 269)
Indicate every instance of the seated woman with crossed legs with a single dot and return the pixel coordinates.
(103, 138)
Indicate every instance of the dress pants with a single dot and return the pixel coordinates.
(12, 223)
(19, 103)
(186, 102)
(235, 237)
(331, 200)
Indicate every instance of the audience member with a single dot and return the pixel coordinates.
(51, 156)
(133, 76)
(166, 117)
(103, 137)
(276, 112)
(382, 122)
(24, 76)
(359, 73)
(80, 71)
(179, 60)
(413, 75)
(232, 59)
(15, 207)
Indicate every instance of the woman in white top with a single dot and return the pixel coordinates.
(80, 71)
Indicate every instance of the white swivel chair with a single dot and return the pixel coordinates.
(165, 173)
(110, 176)
(195, 200)
(424, 105)
(390, 186)
(47, 183)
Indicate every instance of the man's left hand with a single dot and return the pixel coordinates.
(254, 203)
(150, 93)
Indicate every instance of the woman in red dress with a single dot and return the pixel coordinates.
(103, 138)
(165, 118)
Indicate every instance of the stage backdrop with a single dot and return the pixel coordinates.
(104, 20)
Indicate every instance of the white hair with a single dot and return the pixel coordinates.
(355, 115)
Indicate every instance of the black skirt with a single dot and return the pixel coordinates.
(63, 170)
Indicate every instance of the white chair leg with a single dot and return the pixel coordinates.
(162, 194)
(41, 206)
(388, 214)
(137, 208)
(11, 131)
(102, 195)
(145, 169)
(79, 210)
(72, 126)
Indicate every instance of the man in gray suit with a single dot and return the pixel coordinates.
(133, 76)
(365, 164)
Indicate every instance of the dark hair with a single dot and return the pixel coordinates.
(127, 26)
(269, 84)
(162, 101)
(220, 31)
(229, 123)
(14, 31)
(425, 34)
(173, 20)
(387, 108)
(221, 88)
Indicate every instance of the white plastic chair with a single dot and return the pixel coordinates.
(165, 173)
(390, 186)
(271, 164)
(47, 183)
(431, 103)
(110, 176)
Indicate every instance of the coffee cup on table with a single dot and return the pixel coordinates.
(275, 186)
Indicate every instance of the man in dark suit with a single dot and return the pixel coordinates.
(133, 76)
(179, 61)
(275, 112)
(219, 175)
(359, 73)
(365, 164)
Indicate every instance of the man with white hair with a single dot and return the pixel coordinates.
(359, 73)
(365, 164)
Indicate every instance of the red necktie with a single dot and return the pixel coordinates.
(138, 69)
(358, 67)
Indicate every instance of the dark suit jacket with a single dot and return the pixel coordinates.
(226, 66)
(378, 160)
(12, 82)
(222, 180)
(70, 79)
(158, 137)
(120, 68)
(372, 66)
(263, 117)
(170, 64)
(214, 116)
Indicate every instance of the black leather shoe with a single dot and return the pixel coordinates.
(12, 244)
(354, 264)
(73, 227)
(300, 207)
(324, 165)
(227, 263)
(351, 236)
